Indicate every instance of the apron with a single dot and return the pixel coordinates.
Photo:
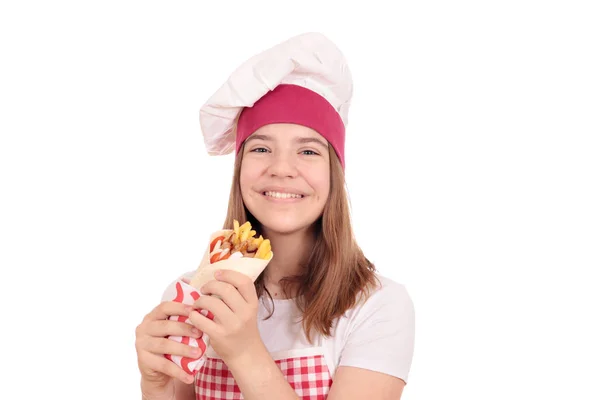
(307, 371)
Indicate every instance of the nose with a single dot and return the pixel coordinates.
(282, 166)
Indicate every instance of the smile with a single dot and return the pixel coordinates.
(280, 195)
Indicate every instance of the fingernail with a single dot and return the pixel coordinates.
(218, 273)
(195, 331)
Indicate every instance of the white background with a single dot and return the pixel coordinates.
(473, 171)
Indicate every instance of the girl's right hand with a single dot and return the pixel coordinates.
(151, 343)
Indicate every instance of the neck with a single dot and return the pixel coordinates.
(290, 254)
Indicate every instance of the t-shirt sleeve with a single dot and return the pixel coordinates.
(381, 333)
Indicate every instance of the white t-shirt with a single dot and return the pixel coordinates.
(378, 334)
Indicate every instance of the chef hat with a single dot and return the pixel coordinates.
(303, 80)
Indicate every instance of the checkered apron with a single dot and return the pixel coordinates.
(305, 369)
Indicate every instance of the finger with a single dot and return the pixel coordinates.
(186, 280)
(167, 327)
(227, 292)
(221, 312)
(204, 324)
(161, 364)
(168, 308)
(162, 346)
(241, 282)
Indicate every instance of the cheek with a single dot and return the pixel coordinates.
(244, 179)
(247, 177)
(321, 184)
(324, 188)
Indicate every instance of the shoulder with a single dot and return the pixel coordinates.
(388, 307)
(378, 333)
(388, 297)
(389, 289)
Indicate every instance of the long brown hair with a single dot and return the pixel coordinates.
(337, 275)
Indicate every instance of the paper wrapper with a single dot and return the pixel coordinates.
(182, 292)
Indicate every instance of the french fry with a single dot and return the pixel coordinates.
(258, 241)
(236, 231)
(263, 249)
(245, 231)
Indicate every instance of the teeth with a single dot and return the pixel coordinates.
(279, 195)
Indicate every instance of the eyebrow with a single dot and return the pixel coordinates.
(259, 137)
(312, 140)
(301, 140)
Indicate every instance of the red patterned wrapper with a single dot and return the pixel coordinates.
(181, 292)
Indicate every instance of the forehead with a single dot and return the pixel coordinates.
(286, 130)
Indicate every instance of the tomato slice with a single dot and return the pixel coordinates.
(214, 242)
(215, 257)
(220, 256)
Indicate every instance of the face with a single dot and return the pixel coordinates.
(284, 177)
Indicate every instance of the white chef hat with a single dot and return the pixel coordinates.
(303, 80)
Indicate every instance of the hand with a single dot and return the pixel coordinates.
(151, 344)
(234, 329)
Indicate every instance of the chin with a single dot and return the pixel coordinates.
(284, 225)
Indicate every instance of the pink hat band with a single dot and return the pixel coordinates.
(293, 104)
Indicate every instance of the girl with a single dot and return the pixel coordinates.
(319, 322)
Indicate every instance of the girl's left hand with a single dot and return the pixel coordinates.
(234, 329)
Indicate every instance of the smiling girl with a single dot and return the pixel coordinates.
(319, 322)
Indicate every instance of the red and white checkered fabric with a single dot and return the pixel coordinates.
(308, 376)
